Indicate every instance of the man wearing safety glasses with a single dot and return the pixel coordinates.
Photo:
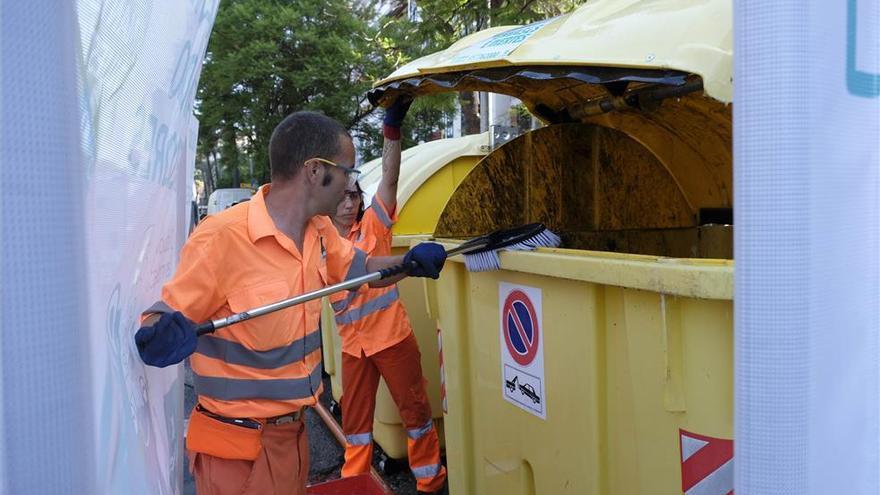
(254, 378)
(350, 172)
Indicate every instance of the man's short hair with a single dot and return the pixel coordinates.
(299, 137)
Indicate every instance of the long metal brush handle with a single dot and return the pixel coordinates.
(462, 249)
(213, 325)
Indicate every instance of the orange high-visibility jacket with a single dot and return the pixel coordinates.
(371, 319)
(237, 260)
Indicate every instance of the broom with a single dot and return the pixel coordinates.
(480, 254)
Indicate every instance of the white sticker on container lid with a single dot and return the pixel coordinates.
(499, 45)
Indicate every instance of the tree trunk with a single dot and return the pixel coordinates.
(215, 171)
(470, 113)
(208, 175)
(494, 5)
(236, 178)
(230, 153)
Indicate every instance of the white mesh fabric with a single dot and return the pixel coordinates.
(44, 362)
(97, 148)
(807, 155)
(139, 67)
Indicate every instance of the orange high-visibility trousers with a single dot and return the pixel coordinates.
(400, 366)
(281, 468)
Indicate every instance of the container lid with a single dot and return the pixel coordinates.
(605, 48)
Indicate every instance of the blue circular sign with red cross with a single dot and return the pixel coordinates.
(521, 331)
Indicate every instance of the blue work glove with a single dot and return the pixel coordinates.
(168, 341)
(394, 116)
(429, 258)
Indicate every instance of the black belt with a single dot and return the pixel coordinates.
(247, 422)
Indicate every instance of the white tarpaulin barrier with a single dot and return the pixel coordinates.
(98, 150)
(807, 189)
(140, 63)
(45, 403)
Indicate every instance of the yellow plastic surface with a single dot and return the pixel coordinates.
(635, 347)
(421, 213)
(694, 37)
(424, 178)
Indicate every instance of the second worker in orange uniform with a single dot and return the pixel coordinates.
(377, 339)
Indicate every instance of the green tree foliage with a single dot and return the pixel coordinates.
(268, 58)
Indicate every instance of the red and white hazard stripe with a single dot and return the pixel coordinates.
(442, 371)
(706, 464)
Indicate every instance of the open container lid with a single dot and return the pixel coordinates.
(606, 54)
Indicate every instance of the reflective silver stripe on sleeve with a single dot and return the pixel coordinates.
(235, 353)
(359, 439)
(417, 433)
(341, 305)
(159, 307)
(358, 266)
(381, 214)
(273, 389)
(426, 471)
(371, 306)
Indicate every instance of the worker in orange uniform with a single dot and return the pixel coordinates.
(253, 379)
(377, 339)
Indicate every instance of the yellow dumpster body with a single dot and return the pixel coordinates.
(604, 366)
(429, 174)
(635, 349)
(627, 385)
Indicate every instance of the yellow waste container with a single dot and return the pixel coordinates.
(635, 349)
(429, 174)
(605, 366)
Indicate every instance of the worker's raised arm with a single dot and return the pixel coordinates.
(394, 115)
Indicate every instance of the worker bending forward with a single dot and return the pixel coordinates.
(377, 339)
(254, 379)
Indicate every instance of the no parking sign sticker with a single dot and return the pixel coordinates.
(522, 347)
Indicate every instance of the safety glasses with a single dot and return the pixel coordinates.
(350, 172)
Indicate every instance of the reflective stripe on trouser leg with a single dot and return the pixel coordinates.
(400, 366)
(358, 454)
(417, 433)
(420, 452)
(426, 472)
(424, 458)
(359, 439)
(360, 380)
